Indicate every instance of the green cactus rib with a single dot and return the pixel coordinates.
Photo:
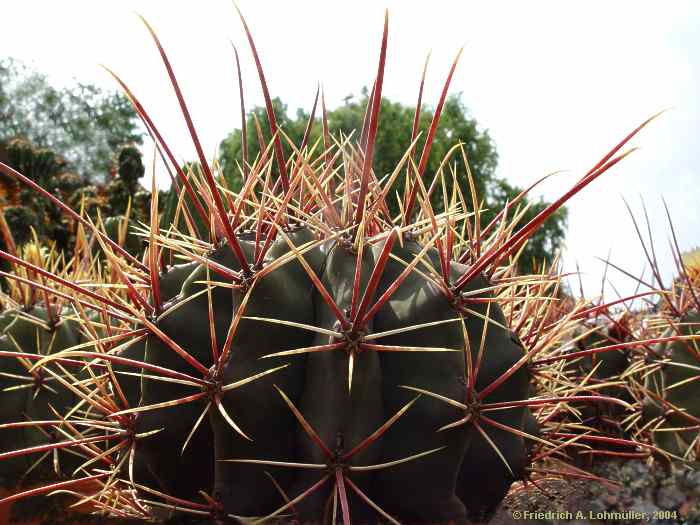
(671, 407)
(33, 394)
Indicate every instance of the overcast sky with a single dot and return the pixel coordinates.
(556, 85)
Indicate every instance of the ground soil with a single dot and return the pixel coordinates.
(656, 494)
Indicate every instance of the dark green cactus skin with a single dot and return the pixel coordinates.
(171, 281)
(11, 439)
(684, 397)
(432, 488)
(605, 366)
(253, 340)
(342, 415)
(502, 350)
(430, 481)
(22, 334)
(257, 408)
(132, 242)
(609, 364)
(170, 285)
(481, 463)
(437, 483)
(317, 383)
(161, 452)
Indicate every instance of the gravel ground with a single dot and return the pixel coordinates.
(650, 495)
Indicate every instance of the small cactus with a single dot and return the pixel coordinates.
(129, 167)
(671, 405)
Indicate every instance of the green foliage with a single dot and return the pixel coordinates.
(393, 139)
(83, 123)
(546, 241)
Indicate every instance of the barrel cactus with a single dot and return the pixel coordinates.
(128, 164)
(304, 355)
(669, 415)
(33, 326)
(603, 371)
(670, 409)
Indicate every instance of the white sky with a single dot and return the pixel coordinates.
(556, 85)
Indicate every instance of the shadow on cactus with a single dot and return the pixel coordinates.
(312, 358)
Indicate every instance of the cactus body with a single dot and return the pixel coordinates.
(33, 331)
(672, 390)
(313, 358)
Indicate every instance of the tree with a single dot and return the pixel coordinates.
(83, 123)
(546, 241)
(393, 139)
(393, 136)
